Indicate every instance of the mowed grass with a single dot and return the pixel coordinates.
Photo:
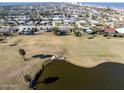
(78, 50)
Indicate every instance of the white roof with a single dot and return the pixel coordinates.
(56, 18)
(120, 30)
(88, 30)
(82, 21)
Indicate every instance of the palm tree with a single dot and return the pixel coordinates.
(23, 53)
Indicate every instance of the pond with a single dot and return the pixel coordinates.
(66, 76)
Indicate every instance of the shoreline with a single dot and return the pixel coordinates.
(95, 6)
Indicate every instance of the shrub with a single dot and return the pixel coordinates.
(23, 53)
(90, 37)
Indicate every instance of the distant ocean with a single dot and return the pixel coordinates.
(20, 3)
(98, 4)
(105, 4)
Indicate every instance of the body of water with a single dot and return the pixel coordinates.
(20, 3)
(105, 4)
(99, 4)
(66, 76)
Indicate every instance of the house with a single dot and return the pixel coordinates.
(80, 24)
(109, 31)
(57, 23)
(27, 30)
(46, 28)
(5, 30)
(12, 23)
(62, 30)
(120, 30)
(69, 21)
(46, 19)
(45, 23)
(94, 22)
(21, 22)
(88, 30)
(14, 29)
(57, 19)
(75, 15)
(29, 23)
(3, 21)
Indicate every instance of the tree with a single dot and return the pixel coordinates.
(27, 78)
(23, 53)
(78, 33)
(56, 30)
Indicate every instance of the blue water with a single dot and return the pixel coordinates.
(11, 3)
(119, 5)
(19, 3)
(99, 4)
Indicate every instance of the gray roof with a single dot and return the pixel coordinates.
(5, 29)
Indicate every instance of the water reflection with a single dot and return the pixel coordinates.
(49, 80)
